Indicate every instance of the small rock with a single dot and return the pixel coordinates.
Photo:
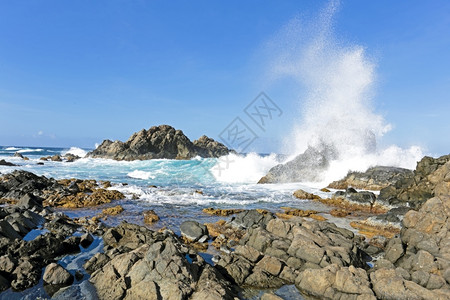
(150, 216)
(86, 240)
(301, 194)
(112, 211)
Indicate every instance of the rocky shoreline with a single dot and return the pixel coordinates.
(256, 249)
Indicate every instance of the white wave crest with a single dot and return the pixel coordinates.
(138, 174)
(243, 169)
(75, 151)
(12, 149)
(336, 111)
(30, 150)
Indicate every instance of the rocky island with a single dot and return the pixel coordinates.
(162, 141)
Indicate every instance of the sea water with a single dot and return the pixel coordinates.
(177, 190)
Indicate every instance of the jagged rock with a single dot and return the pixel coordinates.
(272, 254)
(17, 184)
(249, 218)
(159, 142)
(28, 201)
(158, 268)
(96, 262)
(375, 178)
(86, 240)
(6, 230)
(212, 285)
(18, 154)
(414, 190)
(25, 275)
(306, 167)
(129, 236)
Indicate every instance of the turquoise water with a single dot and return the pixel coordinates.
(183, 187)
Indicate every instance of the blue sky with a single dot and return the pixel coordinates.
(73, 73)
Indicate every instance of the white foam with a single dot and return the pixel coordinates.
(337, 80)
(75, 151)
(248, 168)
(30, 150)
(12, 149)
(138, 174)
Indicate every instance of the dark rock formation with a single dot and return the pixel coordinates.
(6, 163)
(307, 166)
(18, 154)
(350, 194)
(207, 147)
(374, 178)
(429, 179)
(21, 261)
(27, 189)
(161, 141)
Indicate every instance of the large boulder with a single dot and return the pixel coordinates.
(307, 166)
(56, 275)
(162, 141)
(193, 230)
(375, 178)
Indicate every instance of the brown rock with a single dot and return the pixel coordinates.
(340, 213)
(221, 212)
(301, 194)
(112, 211)
(370, 230)
(150, 217)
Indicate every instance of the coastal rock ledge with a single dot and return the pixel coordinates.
(162, 141)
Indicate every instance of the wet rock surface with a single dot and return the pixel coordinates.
(22, 260)
(374, 178)
(306, 167)
(162, 141)
(70, 193)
